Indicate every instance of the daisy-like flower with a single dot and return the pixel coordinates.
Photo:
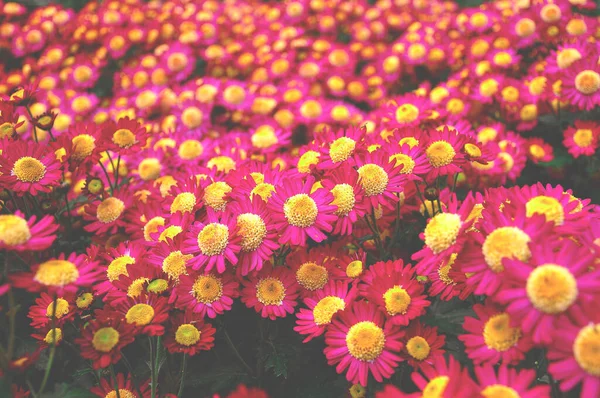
(188, 334)
(360, 341)
(49, 336)
(445, 378)
(102, 340)
(272, 292)
(118, 260)
(582, 139)
(124, 137)
(343, 184)
(412, 159)
(147, 313)
(394, 288)
(444, 152)
(565, 55)
(299, 213)
(447, 282)
(29, 168)
(380, 179)
(19, 234)
(213, 242)
(508, 382)
(205, 294)
(185, 196)
(556, 280)
(62, 275)
(492, 338)
(107, 215)
(422, 345)
(573, 357)
(43, 309)
(125, 386)
(409, 110)
(581, 84)
(539, 150)
(339, 147)
(322, 306)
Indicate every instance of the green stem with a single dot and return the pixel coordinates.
(236, 352)
(52, 348)
(35, 137)
(115, 382)
(107, 176)
(152, 369)
(181, 383)
(117, 172)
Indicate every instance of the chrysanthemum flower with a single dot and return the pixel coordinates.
(29, 168)
(338, 147)
(492, 338)
(118, 260)
(539, 150)
(343, 183)
(188, 334)
(360, 341)
(299, 213)
(444, 152)
(272, 292)
(565, 55)
(146, 312)
(216, 194)
(393, 287)
(447, 282)
(509, 382)
(446, 378)
(125, 386)
(102, 340)
(205, 294)
(124, 137)
(49, 336)
(582, 139)
(185, 196)
(409, 110)
(422, 345)
(43, 309)
(107, 215)
(19, 234)
(412, 159)
(581, 84)
(556, 280)
(380, 179)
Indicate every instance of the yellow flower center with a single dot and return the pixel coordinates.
(28, 169)
(213, 239)
(550, 13)
(264, 190)
(529, 112)
(308, 159)
(472, 150)
(407, 113)
(152, 227)
(441, 231)
(53, 336)
(499, 335)
(505, 242)
(408, 164)
(410, 141)
(124, 138)
(396, 300)
(56, 273)
(537, 85)
(344, 199)
(140, 314)
(82, 73)
(436, 387)
(192, 117)
(365, 341)
(174, 264)
(109, 210)
(187, 335)
(62, 308)
(170, 232)
(416, 51)
(105, 339)
(444, 270)
(440, 153)
(270, 291)
(566, 57)
(312, 276)
(551, 288)
(502, 58)
(118, 267)
(149, 169)
(136, 287)
(311, 109)
(499, 391)
(537, 151)
(455, 105)
(354, 269)
(358, 391)
(81, 104)
(207, 289)
(478, 20)
(177, 62)
(7, 130)
(83, 145)
(264, 138)
(300, 210)
(583, 138)
(234, 95)
(222, 163)
(84, 300)
(586, 349)
(525, 27)
(326, 308)
(183, 202)
(13, 230)
(190, 149)
(157, 286)
(488, 87)
(587, 82)
(391, 64)
(373, 179)
(418, 348)
(214, 195)
(341, 149)
(123, 393)
(252, 229)
(547, 206)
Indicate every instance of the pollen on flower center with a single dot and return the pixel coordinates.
(586, 349)
(587, 82)
(190, 149)
(441, 231)
(157, 286)
(83, 145)
(222, 163)
(498, 334)
(583, 138)
(373, 179)
(300, 210)
(56, 273)
(408, 163)
(170, 232)
(264, 190)
(326, 308)
(123, 393)
(140, 314)
(118, 267)
(28, 169)
(187, 334)
(264, 138)
(344, 199)
(505, 242)
(183, 202)
(105, 339)
(174, 264)
(109, 210)
(213, 239)
(207, 289)
(53, 336)
(365, 341)
(354, 269)
(252, 229)
(396, 300)
(418, 348)
(84, 300)
(124, 138)
(341, 149)
(14, 230)
(62, 308)
(444, 270)
(214, 195)
(436, 387)
(551, 288)
(312, 276)
(547, 206)
(270, 291)
(566, 57)
(499, 391)
(136, 287)
(440, 153)
(152, 227)
(192, 117)
(308, 158)
(407, 113)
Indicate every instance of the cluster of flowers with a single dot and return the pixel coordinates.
(278, 154)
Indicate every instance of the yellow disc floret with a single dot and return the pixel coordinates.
(56, 273)
(207, 289)
(28, 169)
(187, 335)
(365, 341)
(326, 308)
(505, 242)
(498, 334)
(105, 339)
(140, 314)
(14, 230)
(396, 300)
(109, 210)
(312, 276)
(213, 239)
(418, 348)
(442, 231)
(551, 288)
(300, 210)
(270, 291)
(586, 349)
(373, 179)
(252, 230)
